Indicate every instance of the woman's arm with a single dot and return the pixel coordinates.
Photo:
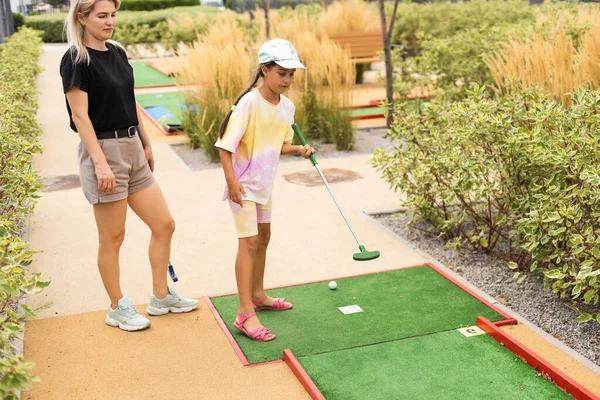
(78, 102)
(145, 141)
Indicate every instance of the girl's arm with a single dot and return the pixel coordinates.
(304, 151)
(290, 149)
(234, 187)
(78, 102)
(146, 142)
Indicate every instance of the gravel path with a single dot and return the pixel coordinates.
(490, 274)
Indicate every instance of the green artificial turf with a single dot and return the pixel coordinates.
(361, 112)
(169, 100)
(411, 106)
(444, 365)
(396, 304)
(144, 75)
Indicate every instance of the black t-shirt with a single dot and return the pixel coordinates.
(108, 81)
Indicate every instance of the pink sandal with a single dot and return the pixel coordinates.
(278, 304)
(260, 334)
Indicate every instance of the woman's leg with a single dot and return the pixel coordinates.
(150, 205)
(110, 220)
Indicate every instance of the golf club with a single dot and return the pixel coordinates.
(363, 254)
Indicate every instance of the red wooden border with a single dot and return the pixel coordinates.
(370, 116)
(471, 292)
(223, 326)
(406, 98)
(510, 321)
(302, 376)
(535, 361)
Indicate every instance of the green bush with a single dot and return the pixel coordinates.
(521, 171)
(18, 185)
(51, 26)
(149, 5)
(416, 23)
(132, 26)
(455, 63)
(18, 20)
(559, 226)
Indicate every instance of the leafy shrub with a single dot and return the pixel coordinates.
(558, 225)
(455, 63)
(18, 20)
(51, 26)
(448, 163)
(185, 29)
(521, 171)
(18, 184)
(417, 23)
(132, 26)
(149, 5)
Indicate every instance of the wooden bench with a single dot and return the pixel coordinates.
(364, 47)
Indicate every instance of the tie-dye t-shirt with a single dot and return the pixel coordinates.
(255, 134)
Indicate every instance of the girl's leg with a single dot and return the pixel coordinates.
(258, 273)
(244, 264)
(110, 220)
(150, 205)
(245, 219)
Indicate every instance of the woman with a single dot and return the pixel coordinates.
(115, 164)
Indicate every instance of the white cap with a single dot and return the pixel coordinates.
(281, 52)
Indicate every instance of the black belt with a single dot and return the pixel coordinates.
(118, 133)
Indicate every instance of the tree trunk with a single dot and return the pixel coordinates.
(387, 52)
(265, 4)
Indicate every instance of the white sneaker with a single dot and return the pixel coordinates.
(170, 303)
(126, 317)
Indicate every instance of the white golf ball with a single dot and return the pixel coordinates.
(332, 285)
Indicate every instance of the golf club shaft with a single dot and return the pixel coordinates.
(337, 204)
(314, 161)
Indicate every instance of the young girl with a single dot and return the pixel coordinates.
(251, 139)
(115, 158)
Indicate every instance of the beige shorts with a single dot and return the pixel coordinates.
(126, 159)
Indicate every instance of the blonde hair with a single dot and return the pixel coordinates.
(75, 32)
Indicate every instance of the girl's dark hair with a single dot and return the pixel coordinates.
(258, 75)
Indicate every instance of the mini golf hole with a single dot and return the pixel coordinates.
(312, 178)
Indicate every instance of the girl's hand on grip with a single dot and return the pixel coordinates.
(306, 151)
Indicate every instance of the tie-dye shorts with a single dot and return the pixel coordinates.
(248, 217)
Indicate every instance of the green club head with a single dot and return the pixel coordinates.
(364, 255)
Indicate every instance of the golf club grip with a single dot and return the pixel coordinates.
(303, 141)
